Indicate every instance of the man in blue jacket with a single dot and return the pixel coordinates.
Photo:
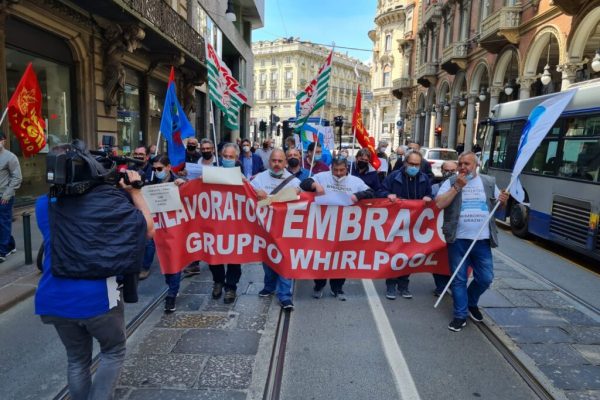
(407, 183)
(251, 163)
(84, 309)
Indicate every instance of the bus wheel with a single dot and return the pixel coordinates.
(519, 218)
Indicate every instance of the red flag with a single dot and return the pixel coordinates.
(171, 76)
(361, 132)
(25, 114)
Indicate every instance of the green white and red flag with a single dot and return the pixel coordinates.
(223, 89)
(314, 95)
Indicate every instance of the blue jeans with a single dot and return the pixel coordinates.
(148, 255)
(480, 259)
(7, 242)
(77, 336)
(274, 282)
(173, 281)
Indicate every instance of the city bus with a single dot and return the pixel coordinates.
(562, 178)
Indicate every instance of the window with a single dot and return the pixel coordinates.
(273, 95)
(288, 75)
(506, 142)
(387, 72)
(263, 77)
(262, 94)
(288, 60)
(262, 63)
(289, 93)
(388, 42)
(272, 60)
(273, 75)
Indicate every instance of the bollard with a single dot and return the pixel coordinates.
(27, 238)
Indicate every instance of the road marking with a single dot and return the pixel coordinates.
(405, 385)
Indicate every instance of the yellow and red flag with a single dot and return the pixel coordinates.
(25, 114)
(361, 132)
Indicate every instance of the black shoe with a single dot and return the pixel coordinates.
(229, 297)
(457, 324)
(264, 293)
(217, 290)
(169, 304)
(287, 305)
(475, 314)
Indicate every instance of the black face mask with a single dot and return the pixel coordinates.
(293, 162)
(207, 155)
(362, 164)
(191, 148)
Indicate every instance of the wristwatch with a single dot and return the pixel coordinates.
(457, 188)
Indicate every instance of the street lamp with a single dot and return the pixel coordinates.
(547, 76)
(596, 61)
(482, 95)
(338, 121)
(462, 102)
(230, 13)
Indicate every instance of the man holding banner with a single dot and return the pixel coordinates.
(467, 200)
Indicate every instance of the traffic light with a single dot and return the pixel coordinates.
(438, 130)
(262, 126)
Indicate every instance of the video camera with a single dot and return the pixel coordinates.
(71, 169)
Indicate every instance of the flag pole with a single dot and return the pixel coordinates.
(312, 160)
(212, 124)
(3, 115)
(353, 146)
(462, 261)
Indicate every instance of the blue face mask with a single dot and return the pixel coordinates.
(412, 170)
(470, 176)
(161, 175)
(228, 163)
(318, 157)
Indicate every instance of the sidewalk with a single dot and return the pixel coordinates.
(554, 336)
(206, 349)
(18, 280)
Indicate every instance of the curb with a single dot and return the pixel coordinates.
(17, 291)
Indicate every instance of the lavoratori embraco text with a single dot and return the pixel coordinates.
(372, 239)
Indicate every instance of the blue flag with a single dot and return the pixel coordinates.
(174, 127)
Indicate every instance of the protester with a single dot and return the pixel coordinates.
(251, 163)
(425, 166)
(151, 150)
(362, 168)
(315, 151)
(467, 199)
(293, 164)
(191, 151)
(161, 166)
(400, 153)
(337, 180)
(10, 181)
(289, 143)
(84, 309)
(227, 278)
(386, 168)
(265, 152)
(145, 170)
(267, 183)
(407, 183)
(449, 169)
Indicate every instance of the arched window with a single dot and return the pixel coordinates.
(387, 76)
(388, 42)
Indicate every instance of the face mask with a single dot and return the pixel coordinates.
(228, 163)
(318, 157)
(246, 149)
(362, 164)
(293, 162)
(448, 174)
(412, 170)
(339, 179)
(470, 176)
(191, 148)
(207, 155)
(160, 175)
(275, 174)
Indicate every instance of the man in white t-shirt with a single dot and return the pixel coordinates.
(265, 183)
(467, 199)
(344, 187)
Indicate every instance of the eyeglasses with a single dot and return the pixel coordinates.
(414, 164)
(159, 169)
(139, 154)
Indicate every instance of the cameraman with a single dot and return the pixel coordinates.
(83, 309)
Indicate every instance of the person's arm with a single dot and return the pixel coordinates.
(385, 188)
(444, 199)
(139, 202)
(15, 180)
(365, 194)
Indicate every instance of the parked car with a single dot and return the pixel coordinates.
(436, 157)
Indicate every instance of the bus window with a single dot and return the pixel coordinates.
(543, 160)
(580, 159)
(575, 127)
(498, 147)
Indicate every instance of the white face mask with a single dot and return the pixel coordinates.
(339, 179)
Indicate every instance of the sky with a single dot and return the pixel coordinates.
(345, 22)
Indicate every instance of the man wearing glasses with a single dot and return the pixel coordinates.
(408, 183)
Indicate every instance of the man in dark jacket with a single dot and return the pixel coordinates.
(251, 163)
(408, 183)
(363, 169)
(425, 166)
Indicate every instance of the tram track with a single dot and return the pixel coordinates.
(275, 373)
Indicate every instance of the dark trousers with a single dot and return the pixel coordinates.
(228, 278)
(402, 282)
(335, 284)
(7, 241)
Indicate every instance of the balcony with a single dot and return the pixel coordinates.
(401, 86)
(500, 29)
(433, 13)
(455, 57)
(427, 74)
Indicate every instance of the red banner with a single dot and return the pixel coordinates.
(373, 239)
(25, 114)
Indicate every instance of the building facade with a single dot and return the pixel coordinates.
(284, 67)
(392, 50)
(103, 66)
(471, 55)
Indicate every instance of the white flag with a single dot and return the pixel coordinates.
(540, 121)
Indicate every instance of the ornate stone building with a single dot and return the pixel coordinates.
(472, 55)
(284, 67)
(103, 65)
(392, 60)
